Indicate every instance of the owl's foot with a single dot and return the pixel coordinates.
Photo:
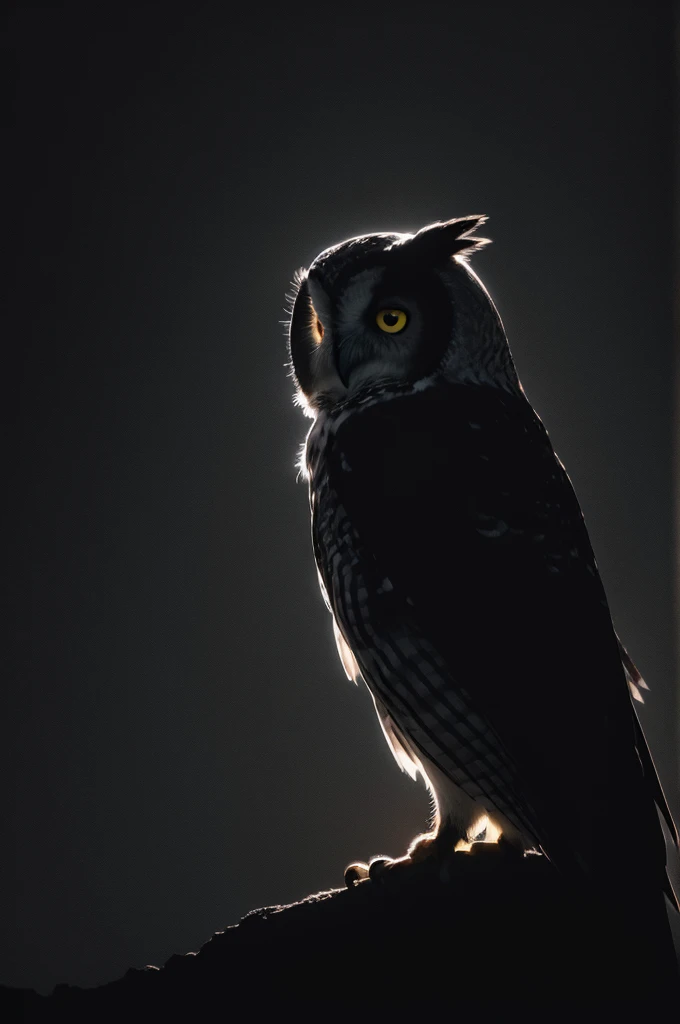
(378, 870)
(423, 855)
(382, 867)
(375, 871)
(433, 853)
(425, 846)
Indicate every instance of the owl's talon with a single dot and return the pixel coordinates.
(356, 872)
(378, 867)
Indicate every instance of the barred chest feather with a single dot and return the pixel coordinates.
(402, 668)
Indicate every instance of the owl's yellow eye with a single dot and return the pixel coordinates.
(391, 320)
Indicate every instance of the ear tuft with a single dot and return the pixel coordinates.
(443, 239)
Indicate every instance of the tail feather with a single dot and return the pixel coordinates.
(651, 776)
(633, 677)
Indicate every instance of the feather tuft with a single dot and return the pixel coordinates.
(446, 239)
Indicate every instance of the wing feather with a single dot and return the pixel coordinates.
(457, 494)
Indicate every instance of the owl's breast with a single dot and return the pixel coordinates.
(361, 596)
(399, 663)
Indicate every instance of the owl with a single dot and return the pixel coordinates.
(453, 557)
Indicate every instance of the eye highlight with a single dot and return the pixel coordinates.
(391, 320)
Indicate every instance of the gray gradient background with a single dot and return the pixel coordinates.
(181, 743)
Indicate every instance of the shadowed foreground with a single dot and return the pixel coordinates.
(503, 934)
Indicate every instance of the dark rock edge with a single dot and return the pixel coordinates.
(503, 935)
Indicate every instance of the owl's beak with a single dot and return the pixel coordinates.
(347, 359)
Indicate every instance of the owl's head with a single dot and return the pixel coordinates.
(395, 308)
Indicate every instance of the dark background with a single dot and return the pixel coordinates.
(181, 743)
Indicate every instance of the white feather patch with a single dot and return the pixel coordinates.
(349, 662)
(401, 754)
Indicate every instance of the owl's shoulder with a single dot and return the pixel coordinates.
(459, 472)
(457, 426)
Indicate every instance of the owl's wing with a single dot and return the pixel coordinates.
(457, 494)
